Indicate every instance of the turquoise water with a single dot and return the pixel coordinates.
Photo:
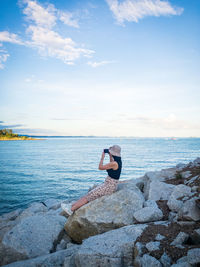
(65, 168)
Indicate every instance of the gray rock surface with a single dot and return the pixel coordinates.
(106, 213)
(179, 191)
(151, 246)
(160, 190)
(148, 214)
(190, 211)
(180, 239)
(159, 237)
(109, 249)
(165, 260)
(56, 259)
(34, 236)
(149, 261)
(193, 256)
(150, 203)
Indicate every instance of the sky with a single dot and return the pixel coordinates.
(102, 68)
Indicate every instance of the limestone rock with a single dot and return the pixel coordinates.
(159, 190)
(190, 211)
(193, 256)
(151, 246)
(149, 261)
(105, 213)
(109, 249)
(165, 260)
(34, 235)
(180, 239)
(148, 214)
(179, 191)
(56, 259)
(150, 203)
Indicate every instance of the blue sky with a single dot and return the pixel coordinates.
(111, 68)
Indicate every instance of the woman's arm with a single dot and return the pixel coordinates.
(111, 165)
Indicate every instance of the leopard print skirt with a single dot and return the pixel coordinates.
(107, 188)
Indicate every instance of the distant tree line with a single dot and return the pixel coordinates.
(7, 133)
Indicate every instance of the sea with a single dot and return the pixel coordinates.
(65, 167)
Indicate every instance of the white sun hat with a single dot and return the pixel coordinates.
(115, 150)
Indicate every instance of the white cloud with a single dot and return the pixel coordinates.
(3, 58)
(68, 19)
(50, 43)
(100, 63)
(133, 10)
(5, 36)
(44, 17)
(41, 35)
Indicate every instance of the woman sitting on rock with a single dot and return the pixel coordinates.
(109, 186)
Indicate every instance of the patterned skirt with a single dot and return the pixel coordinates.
(107, 188)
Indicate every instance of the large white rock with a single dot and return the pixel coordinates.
(149, 261)
(34, 235)
(157, 176)
(113, 248)
(193, 256)
(190, 211)
(105, 213)
(179, 191)
(148, 214)
(159, 191)
(60, 258)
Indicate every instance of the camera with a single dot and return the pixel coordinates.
(106, 150)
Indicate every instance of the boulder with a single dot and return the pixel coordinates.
(150, 203)
(34, 235)
(33, 209)
(105, 213)
(165, 260)
(60, 258)
(159, 191)
(113, 248)
(179, 191)
(148, 214)
(190, 211)
(193, 256)
(157, 176)
(149, 261)
(151, 246)
(180, 239)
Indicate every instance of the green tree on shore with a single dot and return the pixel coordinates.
(7, 133)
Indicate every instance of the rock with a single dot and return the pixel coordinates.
(159, 237)
(181, 264)
(195, 163)
(150, 203)
(190, 211)
(180, 166)
(157, 176)
(159, 191)
(149, 261)
(138, 249)
(165, 260)
(105, 213)
(193, 179)
(193, 256)
(180, 239)
(173, 216)
(52, 203)
(179, 191)
(56, 259)
(112, 248)
(139, 182)
(186, 174)
(151, 246)
(148, 214)
(10, 215)
(34, 208)
(183, 259)
(35, 235)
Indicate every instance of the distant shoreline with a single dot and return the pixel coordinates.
(19, 138)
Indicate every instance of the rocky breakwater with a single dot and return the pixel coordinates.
(150, 221)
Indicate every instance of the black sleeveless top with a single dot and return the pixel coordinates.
(115, 174)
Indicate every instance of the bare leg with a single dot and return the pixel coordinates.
(79, 203)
